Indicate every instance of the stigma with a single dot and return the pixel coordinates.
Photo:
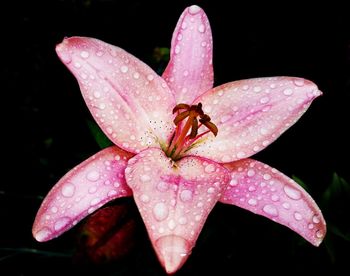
(188, 120)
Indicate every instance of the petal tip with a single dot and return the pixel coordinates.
(172, 252)
(42, 235)
(194, 9)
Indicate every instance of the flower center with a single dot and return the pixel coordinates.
(186, 132)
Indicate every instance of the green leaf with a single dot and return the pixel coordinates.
(300, 182)
(100, 138)
(339, 187)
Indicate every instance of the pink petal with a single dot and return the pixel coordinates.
(81, 191)
(132, 105)
(190, 70)
(265, 191)
(174, 200)
(251, 114)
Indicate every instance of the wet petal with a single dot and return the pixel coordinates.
(128, 100)
(81, 191)
(174, 200)
(190, 70)
(251, 114)
(265, 191)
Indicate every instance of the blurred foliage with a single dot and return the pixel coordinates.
(100, 138)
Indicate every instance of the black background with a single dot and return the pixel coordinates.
(45, 132)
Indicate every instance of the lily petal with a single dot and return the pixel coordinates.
(174, 200)
(129, 101)
(251, 114)
(190, 70)
(81, 191)
(265, 191)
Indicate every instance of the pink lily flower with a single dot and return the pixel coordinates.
(181, 145)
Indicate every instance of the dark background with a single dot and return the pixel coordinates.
(46, 133)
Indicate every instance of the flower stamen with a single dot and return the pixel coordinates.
(182, 140)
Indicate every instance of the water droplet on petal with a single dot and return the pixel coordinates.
(61, 223)
(92, 189)
(286, 205)
(194, 9)
(316, 219)
(233, 182)
(211, 190)
(275, 198)
(162, 186)
(311, 226)
(43, 234)
(150, 77)
(95, 201)
(124, 69)
(201, 28)
(298, 216)
(257, 89)
(319, 234)
(299, 82)
(54, 209)
(270, 210)
(97, 94)
(93, 176)
(209, 168)
(288, 92)
(171, 224)
(84, 54)
(144, 198)
(177, 49)
(252, 202)
(77, 65)
(251, 172)
(292, 193)
(145, 178)
(160, 211)
(267, 176)
(68, 190)
(264, 100)
(186, 195)
(112, 193)
(182, 220)
(136, 75)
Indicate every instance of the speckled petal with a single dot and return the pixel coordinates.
(250, 114)
(81, 191)
(263, 190)
(174, 200)
(190, 70)
(128, 100)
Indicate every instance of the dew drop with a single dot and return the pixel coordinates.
(145, 178)
(43, 234)
(93, 176)
(150, 77)
(54, 209)
(112, 193)
(162, 186)
(267, 176)
(97, 94)
(160, 211)
(298, 216)
(319, 234)
(316, 219)
(275, 198)
(194, 9)
(84, 54)
(233, 182)
(286, 205)
(252, 202)
(92, 189)
(95, 201)
(182, 220)
(264, 100)
(171, 224)
(292, 193)
(201, 28)
(77, 65)
(311, 226)
(299, 82)
(209, 168)
(251, 172)
(68, 190)
(251, 188)
(288, 92)
(257, 89)
(124, 68)
(177, 49)
(211, 190)
(61, 223)
(144, 198)
(186, 195)
(225, 118)
(270, 210)
(136, 75)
